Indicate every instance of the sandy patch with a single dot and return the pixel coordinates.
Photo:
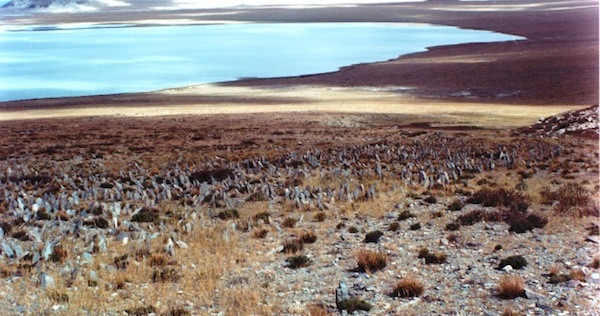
(309, 99)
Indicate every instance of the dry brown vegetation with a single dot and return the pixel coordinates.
(239, 256)
(370, 261)
(511, 287)
(408, 287)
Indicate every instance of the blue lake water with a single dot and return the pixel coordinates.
(42, 63)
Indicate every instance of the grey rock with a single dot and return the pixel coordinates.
(533, 295)
(45, 280)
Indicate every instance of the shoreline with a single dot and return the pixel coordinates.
(207, 100)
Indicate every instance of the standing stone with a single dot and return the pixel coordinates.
(341, 294)
(46, 280)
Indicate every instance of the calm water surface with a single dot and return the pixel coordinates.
(76, 62)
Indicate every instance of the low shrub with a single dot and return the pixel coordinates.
(521, 223)
(430, 199)
(289, 222)
(577, 274)
(261, 233)
(394, 226)
(265, 217)
(308, 237)
(510, 312)
(58, 297)
(511, 287)
(121, 262)
(405, 215)
(471, 218)
(452, 226)
(415, 226)
(100, 222)
(373, 237)
(292, 246)
(559, 278)
(568, 196)
(158, 260)
(6, 227)
(353, 304)
(165, 275)
(516, 262)
(437, 215)
(140, 310)
(146, 215)
(537, 220)
(20, 235)
(177, 312)
(432, 258)
(296, 262)
(370, 261)
(352, 229)
(456, 205)
(320, 217)
(59, 254)
(408, 287)
(228, 214)
(43, 215)
(512, 200)
(316, 310)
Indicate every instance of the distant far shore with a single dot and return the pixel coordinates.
(556, 65)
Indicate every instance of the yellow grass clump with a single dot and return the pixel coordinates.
(408, 287)
(370, 261)
(511, 287)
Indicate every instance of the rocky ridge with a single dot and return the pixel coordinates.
(585, 123)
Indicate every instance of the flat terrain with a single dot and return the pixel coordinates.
(259, 197)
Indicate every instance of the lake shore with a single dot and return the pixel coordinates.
(556, 65)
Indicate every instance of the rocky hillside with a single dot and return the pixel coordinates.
(581, 122)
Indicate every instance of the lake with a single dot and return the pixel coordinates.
(54, 62)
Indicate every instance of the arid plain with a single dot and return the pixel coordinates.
(413, 183)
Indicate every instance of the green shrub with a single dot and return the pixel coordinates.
(353, 304)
